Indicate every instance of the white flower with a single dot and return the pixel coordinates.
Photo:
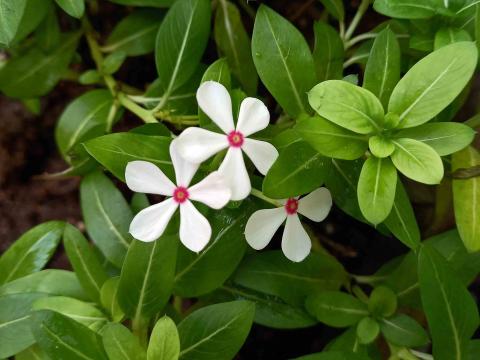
(150, 223)
(197, 145)
(296, 244)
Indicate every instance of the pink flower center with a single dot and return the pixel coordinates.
(180, 194)
(291, 206)
(235, 139)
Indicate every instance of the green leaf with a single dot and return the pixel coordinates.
(380, 146)
(107, 216)
(332, 140)
(287, 77)
(84, 313)
(376, 189)
(35, 73)
(31, 252)
(466, 199)
(112, 62)
(224, 252)
(84, 261)
(233, 42)
(347, 105)
(50, 282)
(417, 161)
(15, 334)
(65, 339)
(383, 66)
(445, 137)
(328, 52)
(115, 151)
(402, 221)
(367, 330)
(382, 302)
(181, 41)
(433, 83)
(298, 170)
(147, 276)
(334, 355)
(74, 8)
(336, 309)
(84, 118)
(406, 9)
(448, 35)
(156, 3)
(34, 13)
(216, 331)
(402, 330)
(109, 299)
(335, 8)
(164, 342)
(10, 15)
(32, 353)
(135, 34)
(271, 273)
(451, 311)
(121, 344)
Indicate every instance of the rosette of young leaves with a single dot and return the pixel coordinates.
(353, 116)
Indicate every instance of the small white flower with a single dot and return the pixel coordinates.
(296, 244)
(150, 223)
(197, 145)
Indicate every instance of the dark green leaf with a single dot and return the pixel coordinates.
(121, 344)
(402, 330)
(164, 342)
(33, 14)
(109, 299)
(333, 355)
(157, 3)
(10, 15)
(74, 8)
(382, 302)
(406, 9)
(447, 36)
(335, 8)
(328, 52)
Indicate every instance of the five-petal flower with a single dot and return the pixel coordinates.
(150, 223)
(296, 244)
(197, 145)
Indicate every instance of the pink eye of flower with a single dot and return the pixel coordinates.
(291, 206)
(180, 194)
(235, 138)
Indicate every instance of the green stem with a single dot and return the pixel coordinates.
(421, 355)
(257, 193)
(111, 115)
(361, 279)
(141, 112)
(359, 38)
(140, 330)
(356, 19)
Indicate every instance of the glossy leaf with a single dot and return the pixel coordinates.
(164, 342)
(298, 170)
(107, 216)
(121, 344)
(65, 339)
(10, 15)
(216, 331)
(84, 261)
(466, 199)
(376, 189)
(417, 161)
(347, 105)
(287, 77)
(74, 8)
(402, 330)
(328, 52)
(233, 42)
(31, 252)
(433, 83)
(383, 66)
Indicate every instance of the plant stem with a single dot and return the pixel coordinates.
(257, 193)
(421, 355)
(359, 38)
(141, 112)
(112, 114)
(356, 19)
(140, 330)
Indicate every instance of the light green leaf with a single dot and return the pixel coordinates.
(445, 137)
(328, 52)
(406, 9)
(107, 216)
(233, 42)
(331, 140)
(216, 331)
(121, 344)
(417, 161)
(382, 302)
(74, 8)
(298, 170)
(156, 3)
(34, 13)
(383, 66)
(109, 299)
(466, 199)
(84, 261)
(367, 330)
(446, 36)
(402, 330)
(287, 77)
(347, 105)
(433, 83)
(164, 342)
(451, 311)
(11, 12)
(380, 146)
(31, 252)
(376, 189)
(32, 353)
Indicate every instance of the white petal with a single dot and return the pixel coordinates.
(296, 243)
(145, 177)
(195, 230)
(184, 170)
(316, 205)
(235, 174)
(252, 117)
(150, 223)
(262, 154)
(197, 145)
(262, 225)
(214, 99)
(213, 191)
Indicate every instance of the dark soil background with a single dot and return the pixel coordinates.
(28, 150)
